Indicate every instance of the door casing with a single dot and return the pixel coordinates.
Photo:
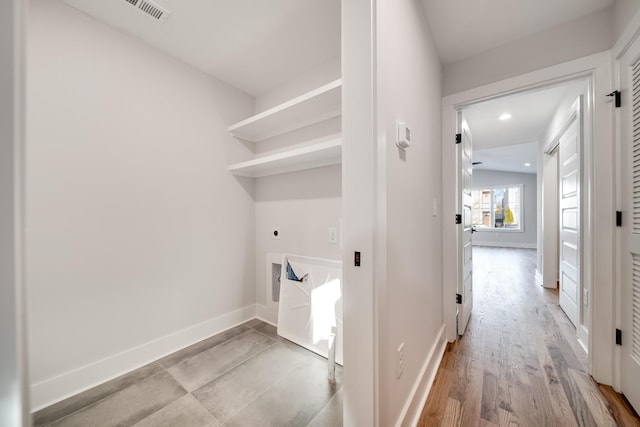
(596, 69)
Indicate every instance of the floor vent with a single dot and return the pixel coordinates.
(152, 9)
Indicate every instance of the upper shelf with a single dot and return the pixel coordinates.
(311, 156)
(313, 107)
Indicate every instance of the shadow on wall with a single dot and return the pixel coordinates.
(319, 183)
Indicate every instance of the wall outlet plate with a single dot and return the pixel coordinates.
(333, 235)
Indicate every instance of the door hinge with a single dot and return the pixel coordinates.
(458, 138)
(458, 299)
(458, 219)
(618, 337)
(617, 98)
(618, 218)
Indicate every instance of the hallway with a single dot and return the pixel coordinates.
(517, 364)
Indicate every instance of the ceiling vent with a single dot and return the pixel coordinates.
(152, 9)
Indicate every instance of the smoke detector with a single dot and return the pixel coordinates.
(150, 8)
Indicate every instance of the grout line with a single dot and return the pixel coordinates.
(108, 397)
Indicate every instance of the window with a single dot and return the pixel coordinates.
(497, 208)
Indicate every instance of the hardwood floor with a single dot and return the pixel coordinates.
(518, 363)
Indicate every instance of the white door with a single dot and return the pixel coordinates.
(569, 192)
(464, 248)
(630, 162)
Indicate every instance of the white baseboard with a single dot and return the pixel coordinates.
(412, 409)
(582, 334)
(266, 315)
(506, 245)
(65, 385)
(539, 281)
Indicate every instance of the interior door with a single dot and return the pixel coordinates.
(464, 248)
(630, 162)
(569, 221)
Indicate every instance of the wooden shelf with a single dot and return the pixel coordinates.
(312, 107)
(312, 156)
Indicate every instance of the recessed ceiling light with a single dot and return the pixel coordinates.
(527, 164)
(505, 116)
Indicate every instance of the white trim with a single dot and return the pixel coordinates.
(507, 245)
(599, 185)
(628, 37)
(269, 311)
(67, 384)
(582, 336)
(263, 313)
(412, 409)
(361, 193)
(552, 146)
(259, 309)
(539, 278)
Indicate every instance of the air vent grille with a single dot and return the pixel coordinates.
(635, 307)
(150, 8)
(635, 148)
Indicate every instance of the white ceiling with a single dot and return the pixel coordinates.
(253, 45)
(463, 28)
(507, 145)
(256, 45)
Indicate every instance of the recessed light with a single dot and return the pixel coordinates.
(527, 164)
(505, 116)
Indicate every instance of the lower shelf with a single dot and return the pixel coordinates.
(312, 156)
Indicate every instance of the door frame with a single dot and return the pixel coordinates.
(14, 408)
(629, 35)
(598, 218)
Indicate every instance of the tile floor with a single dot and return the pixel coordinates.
(246, 376)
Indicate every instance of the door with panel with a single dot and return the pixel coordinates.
(569, 216)
(464, 230)
(630, 162)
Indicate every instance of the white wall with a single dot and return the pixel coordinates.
(516, 239)
(13, 401)
(410, 300)
(139, 241)
(303, 205)
(547, 262)
(548, 233)
(362, 196)
(590, 34)
(623, 12)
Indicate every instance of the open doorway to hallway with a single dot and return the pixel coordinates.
(525, 187)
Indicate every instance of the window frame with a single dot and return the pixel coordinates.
(493, 229)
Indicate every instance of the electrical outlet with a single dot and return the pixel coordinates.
(333, 235)
(275, 233)
(400, 361)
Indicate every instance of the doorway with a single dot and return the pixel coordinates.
(598, 127)
(515, 141)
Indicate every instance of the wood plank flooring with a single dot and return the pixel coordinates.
(518, 363)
